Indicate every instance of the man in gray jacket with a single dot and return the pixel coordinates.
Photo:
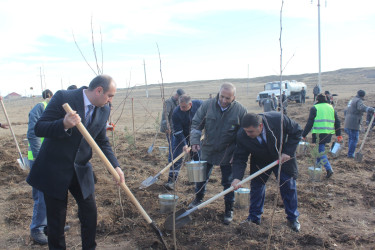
(166, 124)
(353, 119)
(268, 104)
(220, 117)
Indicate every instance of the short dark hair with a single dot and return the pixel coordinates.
(361, 93)
(47, 94)
(321, 98)
(251, 120)
(71, 87)
(101, 81)
(184, 99)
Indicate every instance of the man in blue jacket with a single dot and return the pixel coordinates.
(260, 136)
(63, 163)
(181, 118)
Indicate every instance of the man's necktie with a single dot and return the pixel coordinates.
(88, 115)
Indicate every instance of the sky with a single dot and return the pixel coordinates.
(197, 40)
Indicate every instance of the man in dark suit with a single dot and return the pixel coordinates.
(63, 160)
(260, 136)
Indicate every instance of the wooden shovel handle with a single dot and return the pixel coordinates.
(367, 131)
(108, 165)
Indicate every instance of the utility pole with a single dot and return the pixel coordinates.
(248, 80)
(320, 60)
(62, 87)
(144, 68)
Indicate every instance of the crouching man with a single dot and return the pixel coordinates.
(260, 136)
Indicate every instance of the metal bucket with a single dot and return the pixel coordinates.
(167, 202)
(196, 171)
(315, 174)
(302, 148)
(242, 198)
(336, 149)
(163, 151)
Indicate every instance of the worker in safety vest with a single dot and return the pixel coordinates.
(39, 219)
(324, 123)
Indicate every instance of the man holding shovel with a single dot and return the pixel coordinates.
(182, 118)
(260, 136)
(2, 125)
(63, 160)
(220, 117)
(353, 120)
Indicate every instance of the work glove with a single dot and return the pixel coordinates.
(339, 138)
(110, 126)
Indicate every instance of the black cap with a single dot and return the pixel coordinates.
(180, 92)
(326, 92)
(361, 93)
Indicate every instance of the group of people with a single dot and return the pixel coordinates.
(60, 155)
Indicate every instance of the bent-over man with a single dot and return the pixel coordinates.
(260, 136)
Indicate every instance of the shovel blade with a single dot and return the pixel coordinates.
(150, 149)
(24, 163)
(148, 182)
(358, 157)
(182, 218)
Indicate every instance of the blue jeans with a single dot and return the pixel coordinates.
(353, 140)
(39, 219)
(322, 159)
(226, 181)
(170, 146)
(288, 190)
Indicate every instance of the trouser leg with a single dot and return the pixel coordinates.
(257, 195)
(226, 181)
(87, 214)
(175, 168)
(322, 159)
(288, 191)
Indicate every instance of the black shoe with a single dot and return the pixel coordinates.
(294, 225)
(257, 222)
(329, 174)
(66, 229)
(169, 185)
(195, 202)
(39, 237)
(228, 214)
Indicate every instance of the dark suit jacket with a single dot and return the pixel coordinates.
(65, 152)
(262, 156)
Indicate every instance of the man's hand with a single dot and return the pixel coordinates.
(121, 174)
(195, 147)
(4, 126)
(186, 149)
(235, 184)
(284, 158)
(71, 120)
(339, 138)
(303, 138)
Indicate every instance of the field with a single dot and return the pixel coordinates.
(338, 213)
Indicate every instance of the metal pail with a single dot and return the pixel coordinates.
(242, 198)
(196, 171)
(335, 149)
(163, 151)
(167, 202)
(315, 174)
(302, 148)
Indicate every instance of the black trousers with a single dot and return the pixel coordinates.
(56, 218)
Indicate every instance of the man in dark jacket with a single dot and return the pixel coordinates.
(259, 136)
(316, 91)
(166, 124)
(368, 119)
(182, 118)
(303, 95)
(323, 121)
(63, 160)
(220, 117)
(353, 119)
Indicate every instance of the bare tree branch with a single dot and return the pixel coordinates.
(93, 48)
(80, 51)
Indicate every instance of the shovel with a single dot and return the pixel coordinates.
(152, 179)
(358, 156)
(110, 168)
(149, 151)
(183, 217)
(23, 162)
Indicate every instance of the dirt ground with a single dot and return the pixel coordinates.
(338, 213)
